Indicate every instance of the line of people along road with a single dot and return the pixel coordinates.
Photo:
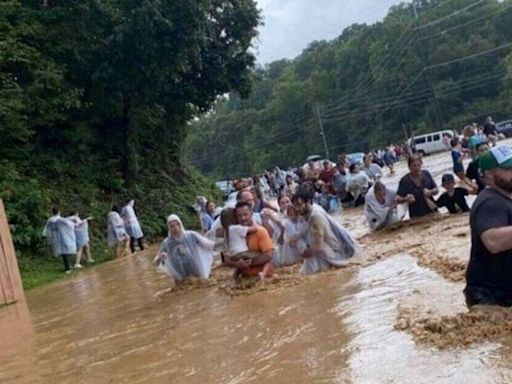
(259, 237)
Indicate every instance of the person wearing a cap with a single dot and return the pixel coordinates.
(454, 199)
(489, 272)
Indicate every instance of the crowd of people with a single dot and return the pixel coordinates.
(69, 236)
(283, 218)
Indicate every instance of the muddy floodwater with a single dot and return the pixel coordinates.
(396, 316)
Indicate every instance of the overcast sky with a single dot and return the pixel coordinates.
(290, 25)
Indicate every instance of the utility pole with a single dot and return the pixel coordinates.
(438, 124)
(322, 132)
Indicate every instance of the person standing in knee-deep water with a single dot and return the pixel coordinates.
(417, 188)
(132, 225)
(489, 272)
(61, 234)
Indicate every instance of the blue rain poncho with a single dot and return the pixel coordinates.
(81, 231)
(116, 230)
(131, 223)
(188, 255)
(61, 233)
(338, 245)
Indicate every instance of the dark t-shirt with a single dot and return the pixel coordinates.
(419, 207)
(490, 129)
(473, 174)
(456, 203)
(457, 165)
(492, 272)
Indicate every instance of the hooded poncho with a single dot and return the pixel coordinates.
(338, 243)
(188, 255)
(131, 222)
(116, 230)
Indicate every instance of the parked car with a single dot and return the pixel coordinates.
(504, 127)
(355, 158)
(226, 186)
(317, 160)
(432, 142)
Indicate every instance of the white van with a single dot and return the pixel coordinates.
(433, 142)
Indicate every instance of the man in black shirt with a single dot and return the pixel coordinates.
(473, 172)
(489, 273)
(454, 198)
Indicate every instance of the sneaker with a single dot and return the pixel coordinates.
(68, 271)
(77, 266)
(91, 261)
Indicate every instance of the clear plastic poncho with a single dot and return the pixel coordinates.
(189, 255)
(61, 233)
(81, 231)
(116, 229)
(379, 215)
(131, 223)
(338, 245)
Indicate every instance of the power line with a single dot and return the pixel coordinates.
(466, 23)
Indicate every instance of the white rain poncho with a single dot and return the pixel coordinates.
(293, 255)
(338, 245)
(116, 230)
(61, 233)
(131, 223)
(189, 255)
(81, 231)
(379, 215)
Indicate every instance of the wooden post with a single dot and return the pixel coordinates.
(11, 289)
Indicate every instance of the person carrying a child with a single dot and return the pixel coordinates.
(258, 241)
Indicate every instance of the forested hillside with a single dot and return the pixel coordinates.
(444, 68)
(95, 97)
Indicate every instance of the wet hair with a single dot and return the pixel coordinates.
(281, 196)
(115, 208)
(304, 194)
(352, 167)
(290, 208)
(242, 204)
(414, 158)
(228, 217)
(454, 142)
(55, 210)
(379, 187)
(73, 212)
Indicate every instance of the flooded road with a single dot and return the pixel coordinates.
(109, 325)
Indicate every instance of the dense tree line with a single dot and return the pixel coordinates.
(95, 96)
(442, 69)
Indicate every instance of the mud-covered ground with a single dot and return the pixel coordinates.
(395, 315)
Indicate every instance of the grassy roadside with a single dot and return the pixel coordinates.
(46, 269)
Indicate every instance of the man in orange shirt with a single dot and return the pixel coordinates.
(258, 241)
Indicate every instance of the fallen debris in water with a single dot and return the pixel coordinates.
(481, 323)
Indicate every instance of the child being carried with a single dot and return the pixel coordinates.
(236, 236)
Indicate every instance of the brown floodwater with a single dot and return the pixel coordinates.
(368, 323)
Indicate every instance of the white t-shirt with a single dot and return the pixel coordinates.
(238, 239)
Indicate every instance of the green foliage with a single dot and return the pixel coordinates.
(95, 97)
(366, 85)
